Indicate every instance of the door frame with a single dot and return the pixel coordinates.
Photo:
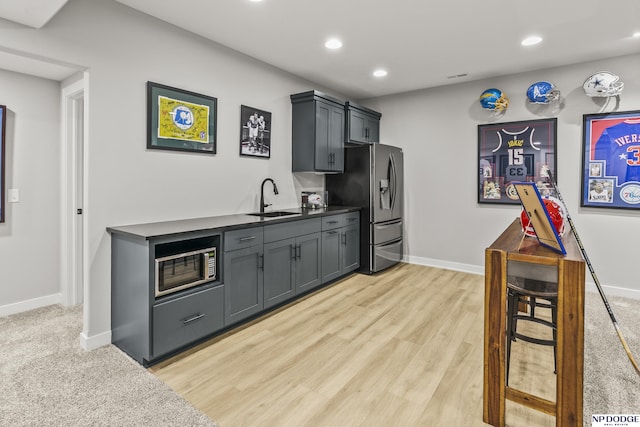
(74, 242)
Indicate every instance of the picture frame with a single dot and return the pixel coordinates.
(3, 125)
(255, 132)
(522, 151)
(180, 120)
(539, 218)
(611, 160)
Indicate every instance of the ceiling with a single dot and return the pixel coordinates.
(421, 44)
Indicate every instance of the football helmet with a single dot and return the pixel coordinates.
(556, 213)
(494, 99)
(542, 93)
(603, 84)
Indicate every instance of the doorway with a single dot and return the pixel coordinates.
(73, 277)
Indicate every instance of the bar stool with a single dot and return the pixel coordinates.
(535, 294)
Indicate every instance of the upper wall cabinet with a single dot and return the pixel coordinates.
(363, 124)
(318, 128)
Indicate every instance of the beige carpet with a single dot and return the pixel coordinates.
(611, 385)
(46, 379)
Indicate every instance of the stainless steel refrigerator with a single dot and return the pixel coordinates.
(373, 179)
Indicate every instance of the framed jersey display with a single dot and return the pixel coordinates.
(511, 152)
(611, 160)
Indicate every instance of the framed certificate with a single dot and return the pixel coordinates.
(180, 120)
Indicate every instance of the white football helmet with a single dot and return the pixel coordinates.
(603, 84)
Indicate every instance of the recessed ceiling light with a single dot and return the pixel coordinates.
(255, 1)
(636, 35)
(333, 44)
(530, 41)
(380, 73)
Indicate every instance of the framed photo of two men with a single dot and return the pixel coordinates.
(523, 151)
(611, 160)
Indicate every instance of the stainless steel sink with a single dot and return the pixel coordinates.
(273, 214)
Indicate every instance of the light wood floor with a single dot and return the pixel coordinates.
(401, 348)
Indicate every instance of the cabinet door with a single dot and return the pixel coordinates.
(243, 279)
(350, 237)
(373, 130)
(357, 127)
(279, 261)
(330, 255)
(329, 137)
(336, 140)
(307, 268)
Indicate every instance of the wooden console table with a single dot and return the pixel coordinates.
(570, 339)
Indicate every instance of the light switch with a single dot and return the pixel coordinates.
(14, 195)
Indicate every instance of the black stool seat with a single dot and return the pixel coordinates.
(530, 292)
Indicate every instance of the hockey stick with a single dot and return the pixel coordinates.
(595, 277)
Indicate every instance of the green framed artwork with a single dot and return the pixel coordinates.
(180, 120)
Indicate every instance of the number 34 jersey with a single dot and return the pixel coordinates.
(619, 147)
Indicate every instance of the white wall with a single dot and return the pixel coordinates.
(437, 129)
(30, 235)
(126, 184)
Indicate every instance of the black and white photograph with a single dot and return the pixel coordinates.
(255, 132)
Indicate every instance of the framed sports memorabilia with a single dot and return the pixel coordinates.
(255, 132)
(523, 151)
(3, 121)
(180, 120)
(611, 160)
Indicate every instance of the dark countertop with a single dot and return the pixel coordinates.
(222, 222)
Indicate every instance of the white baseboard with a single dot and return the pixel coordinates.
(447, 265)
(95, 341)
(475, 269)
(22, 306)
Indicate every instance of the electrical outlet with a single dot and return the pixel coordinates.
(14, 195)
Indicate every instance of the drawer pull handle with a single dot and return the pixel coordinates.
(244, 239)
(194, 318)
(332, 232)
(332, 222)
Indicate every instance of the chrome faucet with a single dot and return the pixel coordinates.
(275, 191)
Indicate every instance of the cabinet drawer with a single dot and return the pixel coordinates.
(287, 230)
(351, 218)
(333, 221)
(239, 239)
(184, 320)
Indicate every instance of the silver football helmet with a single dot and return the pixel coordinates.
(603, 84)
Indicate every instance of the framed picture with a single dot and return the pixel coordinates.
(255, 132)
(522, 151)
(180, 120)
(3, 122)
(611, 160)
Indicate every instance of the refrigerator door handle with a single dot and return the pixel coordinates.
(393, 186)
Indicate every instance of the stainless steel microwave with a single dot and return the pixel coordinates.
(185, 270)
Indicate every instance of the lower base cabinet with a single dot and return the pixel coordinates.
(184, 320)
(243, 274)
(292, 260)
(261, 267)
(340, 245)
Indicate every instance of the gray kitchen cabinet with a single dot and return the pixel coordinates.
(340, 245)
(243, 274)
(292, 259)
(318, 126)
(148, 326)
(363, 124)
(350, 235)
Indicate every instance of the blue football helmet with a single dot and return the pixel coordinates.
(494, 99)
(542, 93)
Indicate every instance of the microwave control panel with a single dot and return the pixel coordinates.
(211, 267)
